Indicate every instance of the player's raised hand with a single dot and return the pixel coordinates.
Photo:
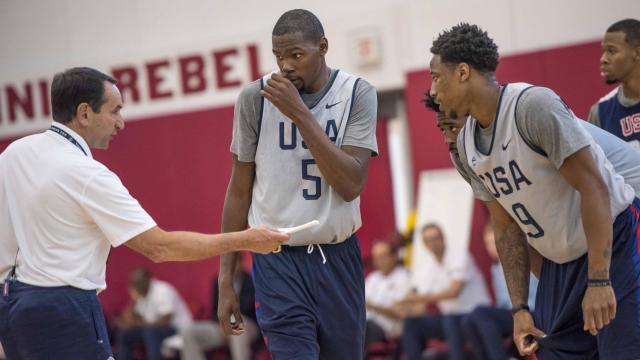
(264, 240)
(284, 95)
(525, 332)
(598, 308)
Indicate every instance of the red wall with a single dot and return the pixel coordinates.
(572, 72)
(178, 167)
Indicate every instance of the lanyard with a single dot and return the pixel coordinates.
(65, 135)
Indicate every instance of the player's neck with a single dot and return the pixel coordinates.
(320, 81)
(485, 105)
(631, 86)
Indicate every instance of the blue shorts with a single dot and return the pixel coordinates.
(52, 323)
(561, 290)
(310, 310)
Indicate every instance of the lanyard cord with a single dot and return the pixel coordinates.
(66, 135)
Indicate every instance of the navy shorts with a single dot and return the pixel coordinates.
(561, 290)
(52, 323)
(310, 310)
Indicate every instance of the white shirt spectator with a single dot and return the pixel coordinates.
(458, 265)
(385, 291)
(63, 210)
(163, 299)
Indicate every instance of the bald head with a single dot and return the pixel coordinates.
(384, 257)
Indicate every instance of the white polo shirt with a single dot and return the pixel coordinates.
(163, 299)
(458, 265)
(386, 290)
(63, 210)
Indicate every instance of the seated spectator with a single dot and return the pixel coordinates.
(383, 288)
(458, 287)
(487, 326)
(157, 312)
(202, 336)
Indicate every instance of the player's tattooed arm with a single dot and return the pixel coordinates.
(514, 255)
(513, 251)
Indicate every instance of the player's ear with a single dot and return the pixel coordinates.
(463, 71)
(324, 45)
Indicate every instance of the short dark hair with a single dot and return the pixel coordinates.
(76, 86)
(466, 43)
(630, 28)
(430, 102)
(299, 20)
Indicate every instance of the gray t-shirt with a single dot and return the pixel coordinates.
(545, 122)
(594, 114)
(358, 132)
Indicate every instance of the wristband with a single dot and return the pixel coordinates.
(598, 282)
(518, 308)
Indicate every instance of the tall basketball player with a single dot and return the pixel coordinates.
(619, 111)
(302, 141)
(553, 187)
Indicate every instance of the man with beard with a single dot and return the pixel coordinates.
(619, 111)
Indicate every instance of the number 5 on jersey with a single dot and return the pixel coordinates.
(311, 193)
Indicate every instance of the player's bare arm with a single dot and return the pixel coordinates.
(346, 168)
(535, 259)
(513, 251)
(599, 303)
(512, 247)
(234, 217)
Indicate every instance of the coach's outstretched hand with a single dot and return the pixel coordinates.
(598, 308)
(264, 240)
(525, 332)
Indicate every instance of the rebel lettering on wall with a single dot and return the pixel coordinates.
(147, 83)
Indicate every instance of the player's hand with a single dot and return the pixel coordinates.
(598, 308)
(524, 333)
(229, 311)
(284, 95)
(264, 240)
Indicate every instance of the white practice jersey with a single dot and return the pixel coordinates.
(530, 187)
(289, 189)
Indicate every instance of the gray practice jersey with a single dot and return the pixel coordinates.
(624, 158)
(289, 189)
(519, 163)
